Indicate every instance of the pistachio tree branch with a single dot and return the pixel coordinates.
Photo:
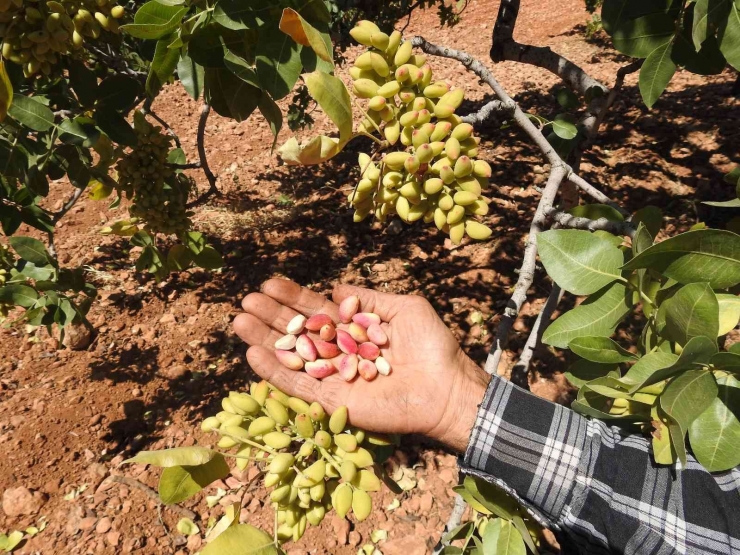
(147, 110)
(453, 522)
(487, 111)
(521, 369)
(212, 188)
(602, 224)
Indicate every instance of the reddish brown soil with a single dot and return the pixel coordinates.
(164, 354)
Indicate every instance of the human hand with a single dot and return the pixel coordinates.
(434, 388)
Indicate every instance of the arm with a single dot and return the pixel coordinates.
(600, 490)
(597, 486)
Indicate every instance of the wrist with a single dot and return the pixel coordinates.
(461, 411)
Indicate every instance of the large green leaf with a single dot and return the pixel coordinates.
(178, 483)
(600, 349)
(639, 37)
(691, 312)
(684, 399)
(19, 295)
(242, 14)
(583, 371)
(241, 539)
(118, 92)
(707, 16)
(492, 497)
(729, 361)
(599, 315)
(715, 433)
(241, 68)
(641, 371)
(615, 13)
(698, 351)
(178, 456)
(729, 312)
(656, 73)
(154, 20)
(116, 127)
(596, 211)
(31, 113)
(83, 81)
(579, 261)
(31, 249)
(333, 97)
(191, 76)
(230, 96)
(729, 36)
(271, 112)
(510, 541)
(162, 67)
(278, 61)
(704, 255)
(305, 34)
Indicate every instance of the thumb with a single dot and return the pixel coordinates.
(385, 305)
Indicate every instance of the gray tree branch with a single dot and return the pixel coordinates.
(212, 188)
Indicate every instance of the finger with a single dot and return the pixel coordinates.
(385, 305)
(329, 393)
(268, 310)
(255, 332)
(299, 298)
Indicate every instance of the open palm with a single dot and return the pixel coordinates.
(432, 383)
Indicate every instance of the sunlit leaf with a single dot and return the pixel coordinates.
(178, 483)
(178, 456)
(656, 73)
(691, 312)
(6, 91)
(600, 349)
(241, 539)
(305, 34)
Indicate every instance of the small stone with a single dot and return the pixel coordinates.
(104, 525)
(96, 419)
(173, 372)
(168, 318)
(448, 476)
(341, 529)
(22, 501)
(406, 545)
(426, 502)
(88, 523)
(76, 337)
(194, 543)
(113, 538)
(354, 536)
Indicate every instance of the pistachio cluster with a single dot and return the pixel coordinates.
(35, 33)
(436, 177)
(314, 462)
(159, 193)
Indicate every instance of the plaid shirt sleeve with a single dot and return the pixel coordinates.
(596, 486)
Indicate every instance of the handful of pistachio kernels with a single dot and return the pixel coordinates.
(436, 177)
(321, 348)
(312, 461)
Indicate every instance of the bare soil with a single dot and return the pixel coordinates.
(165, 353)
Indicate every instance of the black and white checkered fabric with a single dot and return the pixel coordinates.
(596, 486)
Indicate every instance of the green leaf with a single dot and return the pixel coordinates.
(685, 398)
(241, 539)
(305, 34)
(162, 67)
(729, 36)
(31, 249)
(510, 541)
(600, 349)
(31, 113)
(596, 212)
(179, 257)
(116, 127)
(80, 131)
(155, 20)
(698, 351)
(727, 360)
(463, 531)
(599, 315)
(492, 497)
(242, 14)
(615, 13)
(19, 295)
(583, 371)
(179, 456)
(705, 255)
(491, 535)
(652, 217)
(271, 112)
(691, 312)
(579, 261)
(229, 95)
(663, 451)
(239, 67)
(707, 13)
(639, 37)
(6, 91)
(209, 259)
(567, 98)
(118, 92)
(518, 522)
(729, 312)
(732, 203)
(178, 483)
(641, 371)
(278, 61)
(564, 126)
(78, 173)
(331, 94)
(471, 500)
(83, 81)
(656, 73)
(191, 76)
(715, 434)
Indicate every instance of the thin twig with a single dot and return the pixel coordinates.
(147, 110)
(519, 374)
(453, 522)
(152, 494)
(212, 189)
(67, 206)
(116, 62)
(487, 111)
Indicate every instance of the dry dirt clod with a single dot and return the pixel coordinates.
(77, 337)
(22, 501)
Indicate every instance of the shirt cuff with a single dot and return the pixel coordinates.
(528, 446)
